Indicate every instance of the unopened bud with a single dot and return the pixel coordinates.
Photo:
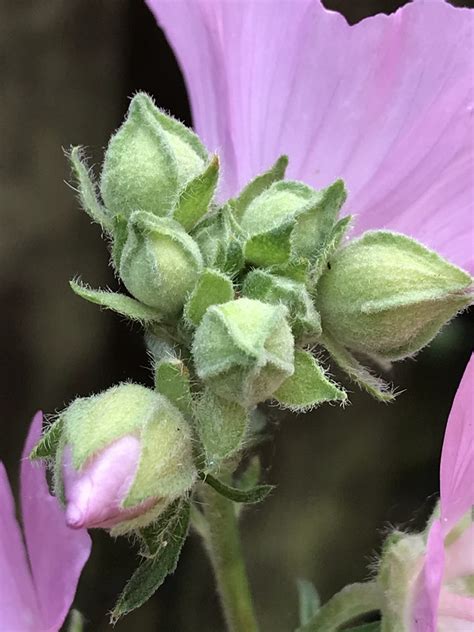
(244, 350)
(149, 160)
(160, 263)
(124, 456)
(387, 295)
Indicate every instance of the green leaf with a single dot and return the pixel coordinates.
(194, 200)
(308, 598)
(251, 474)
(87, 190)
(172, 381)
(119, 303)
(221, 426)
(249, 496)
(357, 373)
(212, 288)
(48, 444)
(315, 224)
(308, 386)
(270, 248)
(258, 185)
(164, 543)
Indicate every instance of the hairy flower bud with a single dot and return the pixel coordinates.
(124, 455)
(244, 350)
(387, 295)
(159, 263)
(149, 160)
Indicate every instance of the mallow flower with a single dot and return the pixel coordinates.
(444, 592)
(427, 579)
(39, 568)
(385, 105)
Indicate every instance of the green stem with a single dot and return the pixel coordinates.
(224, 549)
(349, 603)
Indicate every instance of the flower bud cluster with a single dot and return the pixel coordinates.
(242, 289)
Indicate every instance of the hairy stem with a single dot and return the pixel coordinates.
(224, 549)
(349, 603)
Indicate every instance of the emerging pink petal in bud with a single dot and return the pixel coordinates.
(95, 494)
(443, 599)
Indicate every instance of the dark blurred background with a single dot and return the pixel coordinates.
(343, 477)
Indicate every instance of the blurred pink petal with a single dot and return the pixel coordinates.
(18, 607)
(57, 554)
(386, 104)
(434, 602)
(457, 458)
(95, 494)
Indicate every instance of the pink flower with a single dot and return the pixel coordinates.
(385, 104)
(439, 603)
(38, 577)
(95, 494)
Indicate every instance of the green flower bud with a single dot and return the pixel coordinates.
(159, 263)
(244, 350)
(123, 457)
(387, 295)
(149, 160)
(274, 289)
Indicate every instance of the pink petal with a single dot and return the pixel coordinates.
(457, 457)
(428, 587)
(385, 104)
(95, 494)
(18, 606)
(57, 554)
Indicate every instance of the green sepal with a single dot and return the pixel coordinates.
(194, 200)
(212, 288)
(258, 186)
(308, 386)
(270, 248)
(270, 288)
(314, 225)
(120, 232)
(296, 269)
(120, 303)
(220, 241)
(359, 374)
(250, 476)
(249, 496)
(163, 543)
(172, 381)
(333, 241)
(87, 190)
(308, 600)
(221, 426)
(48, 444)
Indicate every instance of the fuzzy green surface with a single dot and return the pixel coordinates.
(387, 294)
(160, 262)
(119, 303)
(221, 426)
(140, 170)
(276, 205)
(244, 349)
(271, 288)
(315, 224)
(308, 386)
(93, 423)
(194, 199)
(212, 288)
